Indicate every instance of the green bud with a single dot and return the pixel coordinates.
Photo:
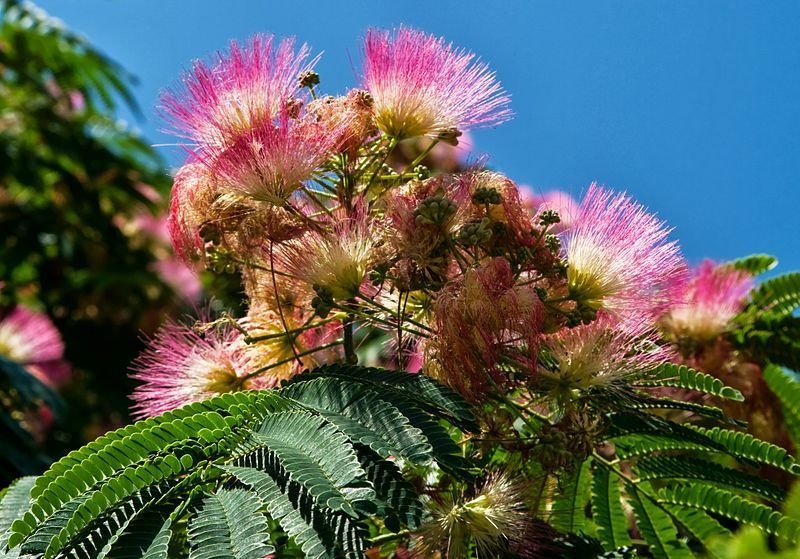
(435, 210)
(484, 195)
(549, 217)
(474, 233)
(309, 79)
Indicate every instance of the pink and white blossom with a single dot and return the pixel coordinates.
(713, 296)
(619, 257)
(422, 85)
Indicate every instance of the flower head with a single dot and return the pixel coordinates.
(494, 520)
(713, 296)
(619, 258)
(336, 259)
(239, 91)
(272, 160)
(598, 355)
(31, 339)
(482, 320)
(421, 85)
(183, 365)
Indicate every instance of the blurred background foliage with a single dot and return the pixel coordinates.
(80, 234)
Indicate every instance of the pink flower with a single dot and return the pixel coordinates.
(714, 295)
(598, 355)
(619, 258)
(240, 90)
(193, 192)
(483, 322)
(423, 86)
(271, 161)
(182, 365)
(335, 259)
(31, 339)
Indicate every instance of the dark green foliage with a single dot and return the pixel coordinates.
(71, 176)
(234, 464)
(21, 392)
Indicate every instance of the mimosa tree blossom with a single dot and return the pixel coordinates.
(183, 365)
(598, 355)
(422, 85)
(713, 296)
(30, 338)
(237, 92)
(619, 257)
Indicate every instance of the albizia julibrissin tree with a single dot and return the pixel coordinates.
(536, 396)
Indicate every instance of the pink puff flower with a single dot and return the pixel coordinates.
(249, 85)
(181, 365)
(599, 355)
(619, 258)
(421, 86)
(31, 339)
(271, 161)
(713, 296)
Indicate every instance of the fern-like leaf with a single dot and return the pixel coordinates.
(681, 376)
(744, 446)
(728, 504)
(786, 386)
(657, 527)
(779, 296)
(568, 510)
(755, 264)
(434, 398)
(229, 526)
(692, 468)
(607, 513)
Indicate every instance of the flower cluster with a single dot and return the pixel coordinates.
(350, 250)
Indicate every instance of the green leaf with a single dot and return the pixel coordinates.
(147, 537)
(229, 526)
(296, 515)
(657, 527)
(744, 446)
(786, 386)
(698, 523)
(755, 263)
(607, 513)
(681, 376)
(433, 398)
(728, 504)
(692, 468)
(568, 513)
(315, 454)
(780, 296)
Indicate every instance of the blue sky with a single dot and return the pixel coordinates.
(692, 107)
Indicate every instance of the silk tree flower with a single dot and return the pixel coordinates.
(348, 118)
(712, 297)
(182, 365)
(600, 354)
(272, 160)
(619, 259)
(30, 338)
(239, 91)
(421, 85)
(492, 521)
(485, 323)
(202, 216)
(336, 258)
